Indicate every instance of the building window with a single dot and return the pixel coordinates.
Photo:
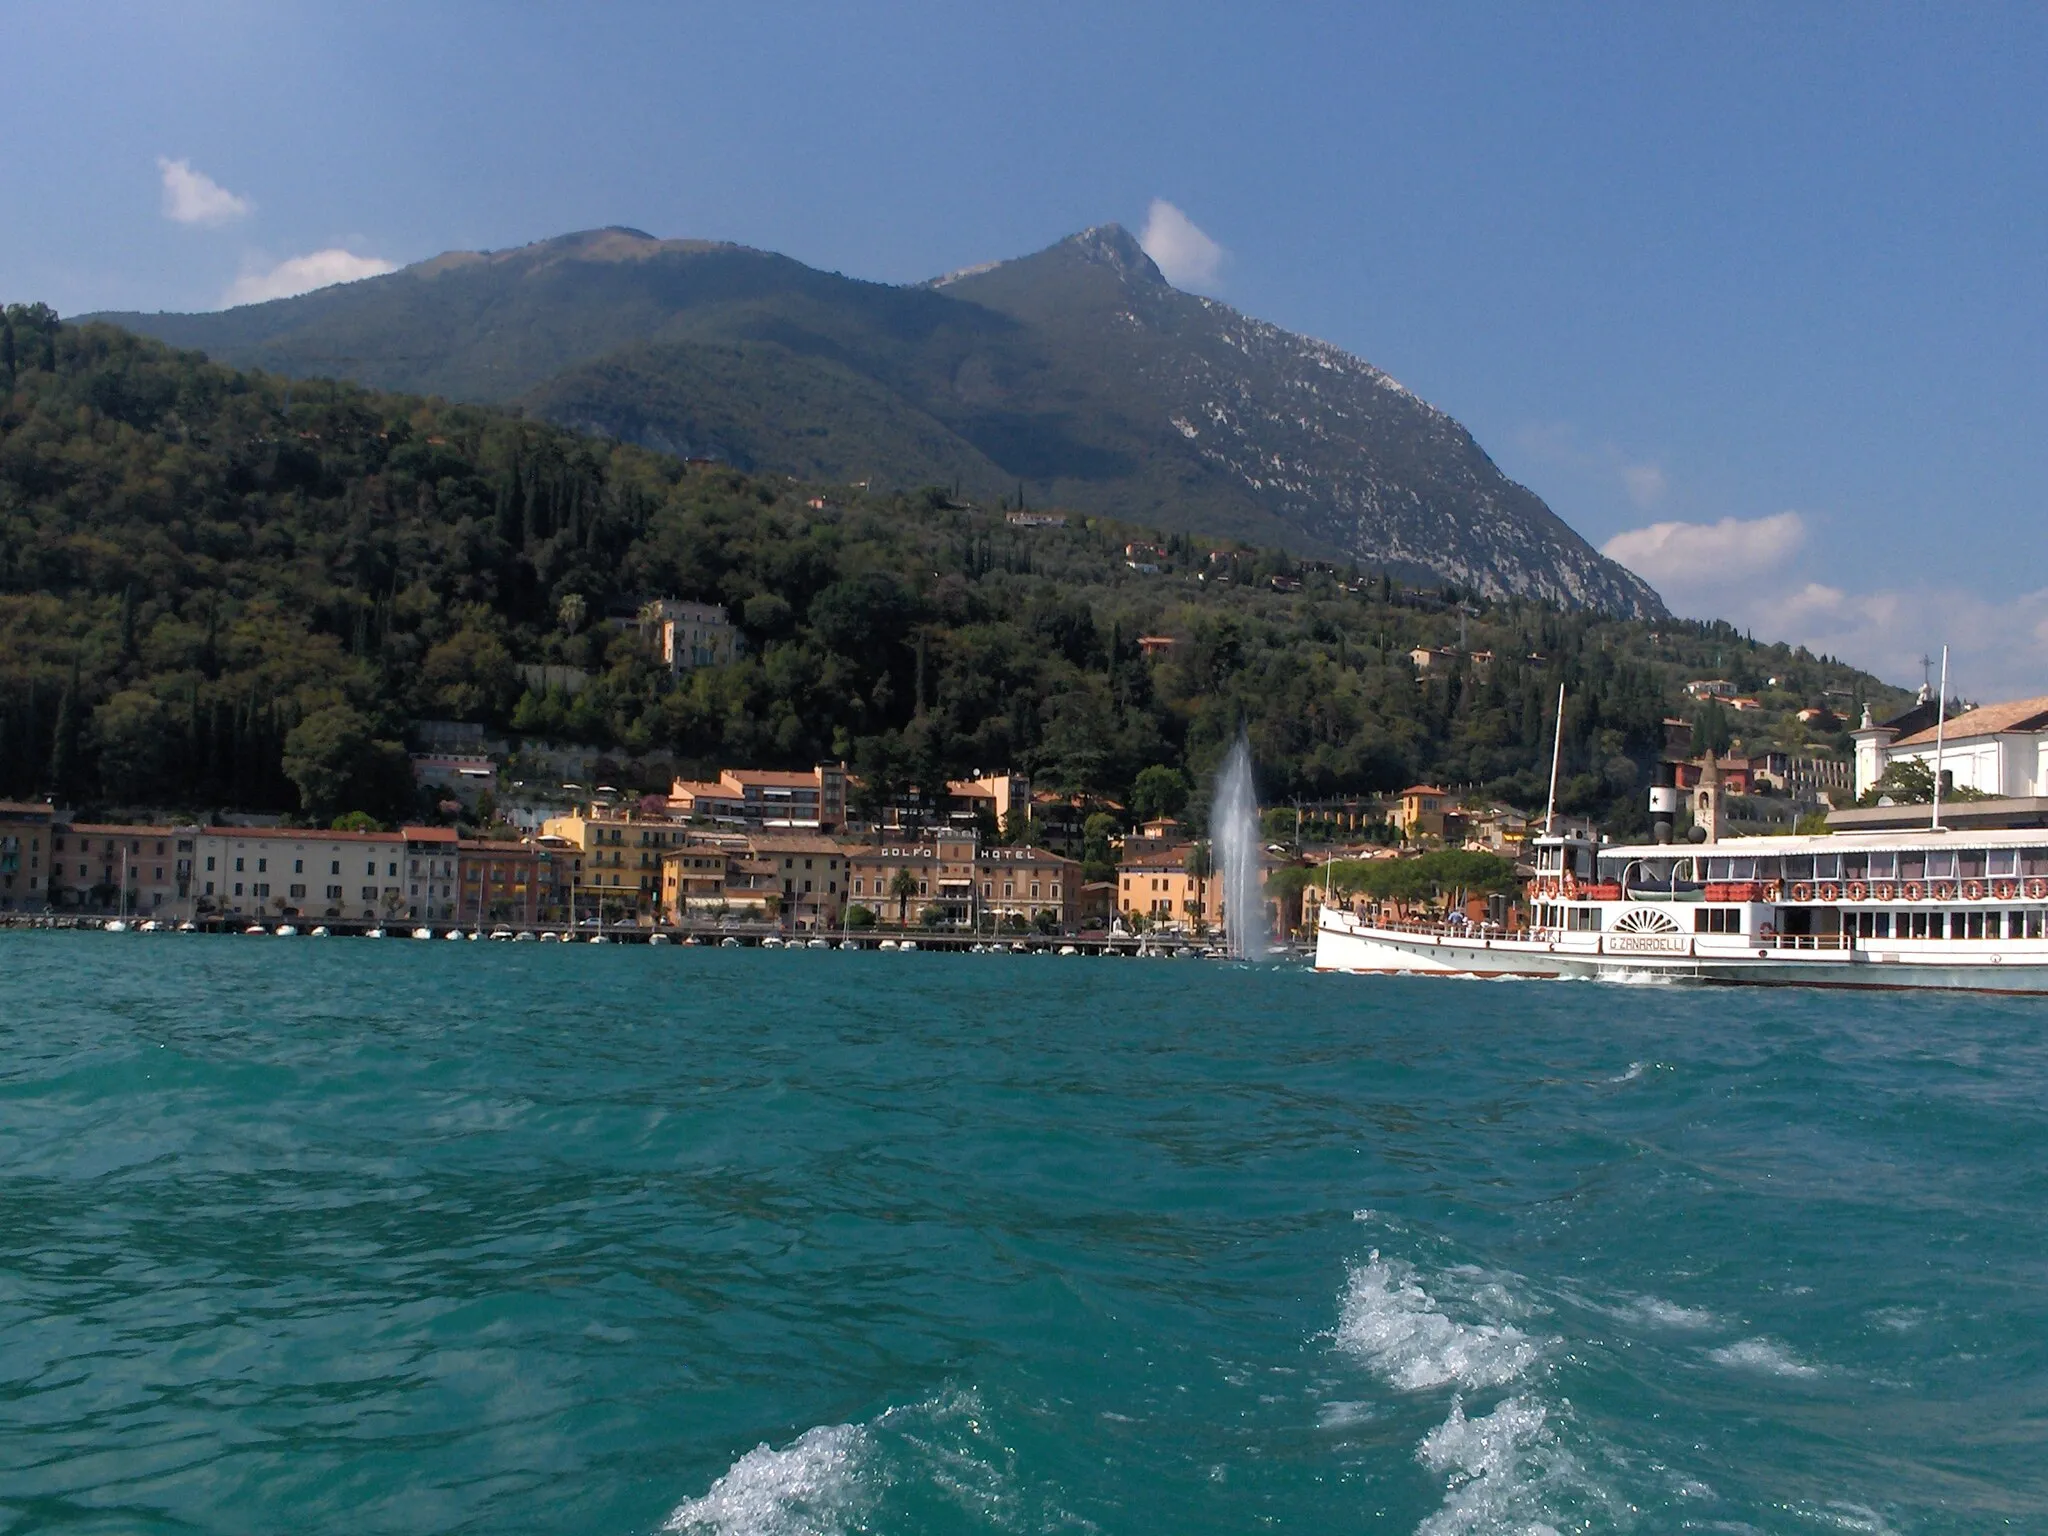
(209, 862)
(238, 866)
(263, 866)
(238, 887)
(298, 866)
(335, 871)
(298, 893)
(334, 893)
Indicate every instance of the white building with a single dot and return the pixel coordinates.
(690, 635)
(272, 872)
(1997, 749)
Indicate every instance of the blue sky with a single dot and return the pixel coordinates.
(1755, 300)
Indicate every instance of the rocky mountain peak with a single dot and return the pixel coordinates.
(1113, 246)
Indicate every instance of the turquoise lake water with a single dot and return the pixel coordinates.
(348, 1237)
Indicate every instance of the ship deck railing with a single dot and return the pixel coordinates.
(1593, 941)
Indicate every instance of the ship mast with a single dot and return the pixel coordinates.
(1556, 752)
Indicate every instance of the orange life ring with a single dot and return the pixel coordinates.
(1829, 891)
(1912, 890)
(1801, 891)
(2005, 890)
(1884, 890)
(1773, 890)
(2037, 889)
(1973, 890)
(1942, 890)
(1856, 890)
(1571, 884)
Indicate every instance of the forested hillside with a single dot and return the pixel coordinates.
(220, 588)
(1077, 375)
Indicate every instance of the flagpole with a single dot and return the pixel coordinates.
(1940, 731)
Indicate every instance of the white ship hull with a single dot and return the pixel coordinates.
(1352, 944)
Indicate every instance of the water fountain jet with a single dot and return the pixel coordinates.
(1234, 836)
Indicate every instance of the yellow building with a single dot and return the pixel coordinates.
(1422, 810)
(617, 868)
(1158, 886)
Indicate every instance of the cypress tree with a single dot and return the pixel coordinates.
(7, 350)
(64, 749)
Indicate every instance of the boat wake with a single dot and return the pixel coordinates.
(1508, 1468)
(908, 1467)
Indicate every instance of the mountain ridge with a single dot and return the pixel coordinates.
(1075, 375)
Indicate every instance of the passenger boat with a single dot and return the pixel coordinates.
(1948, 909)
(1930, 906)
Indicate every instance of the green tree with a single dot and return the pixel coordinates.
(336, 762)
(1159, 791)
(129, 734)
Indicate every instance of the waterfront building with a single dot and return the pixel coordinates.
(253, 872)
(499, 880)
(615, 856)
(144, 871)
(970, 884)
(813, 872)
(430, 872)
(24, 854)
(1158, 886)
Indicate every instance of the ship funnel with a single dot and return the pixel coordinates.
(1663, 801)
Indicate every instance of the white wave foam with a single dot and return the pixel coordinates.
(1668, 1314)
(842, 1478)
(1506, 1472)
(1635, 1070)
(1343, 1415)
(1639, 978)
(811, 1487)
(1396, 1327)
(1765, 1355)
(1841, 1515)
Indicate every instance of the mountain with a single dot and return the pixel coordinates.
(221, 588)
(1077, 376)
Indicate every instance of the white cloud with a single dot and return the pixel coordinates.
(1188, 257)
(302, 274)
(193, 197)
(1758, 574)
(1680, 557)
